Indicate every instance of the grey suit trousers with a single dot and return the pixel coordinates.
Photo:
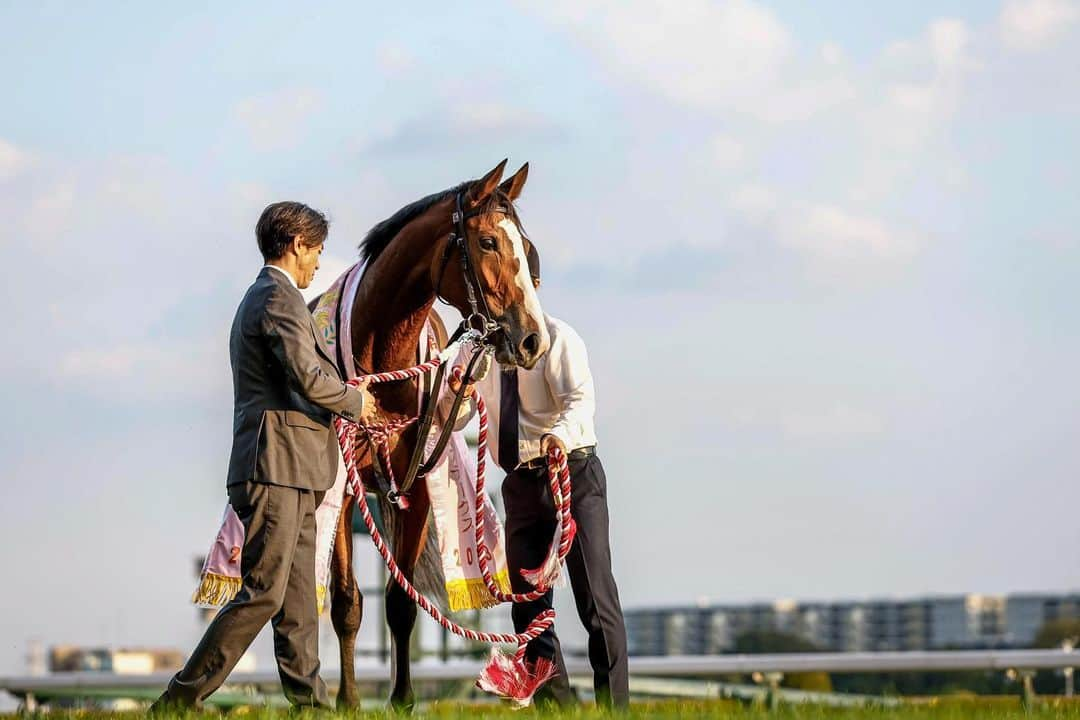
(278, 568)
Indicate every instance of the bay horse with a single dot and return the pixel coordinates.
(466, 246)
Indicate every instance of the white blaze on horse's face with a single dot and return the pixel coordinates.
(525, 284)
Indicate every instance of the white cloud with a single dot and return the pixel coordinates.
(115, 254)
(907, 101)
(277, 119)
(832, 139)
(949, 41)
(482, 117)
(461, 121)
(394, 59)
(108, 363)
(832, 54)
(1036, 24)
(828, 235)
(735, 59)
(836, 243)
(131, 271)
(720, 57)
(831, 233)
(727, 152)
(755, 203)
(918, 73)
(12, 160)
(149, 372)
(698, 52)
(947, 45)
(912, 97)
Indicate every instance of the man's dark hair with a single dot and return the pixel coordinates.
(533, 258)
(282, 221)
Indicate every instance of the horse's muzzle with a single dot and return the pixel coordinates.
(518, 346)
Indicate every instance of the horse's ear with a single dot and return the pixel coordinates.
(481, 189)
(513, 185)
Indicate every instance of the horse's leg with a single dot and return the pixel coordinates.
(346, 605)
(409, 539)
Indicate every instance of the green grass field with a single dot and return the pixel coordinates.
(965, 709)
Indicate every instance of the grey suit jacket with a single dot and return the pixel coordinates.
(285, 388)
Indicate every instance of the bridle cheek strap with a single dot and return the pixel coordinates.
(480, 318)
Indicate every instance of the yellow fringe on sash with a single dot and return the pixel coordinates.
(465, 594)
(215, 590)
(472, 593)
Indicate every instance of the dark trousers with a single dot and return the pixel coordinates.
(278, 569)
(530, 524)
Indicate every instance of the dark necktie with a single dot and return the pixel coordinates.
(508, 419)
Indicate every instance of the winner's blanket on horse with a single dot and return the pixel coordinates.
(451, 485)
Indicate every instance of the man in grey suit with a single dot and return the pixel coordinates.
(286, 388)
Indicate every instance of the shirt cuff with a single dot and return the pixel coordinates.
(563, 433)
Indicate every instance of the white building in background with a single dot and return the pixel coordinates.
(1025, 614)
(930, 623)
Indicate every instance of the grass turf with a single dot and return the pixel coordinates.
(1004, 708)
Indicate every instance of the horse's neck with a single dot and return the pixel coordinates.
(390, 310)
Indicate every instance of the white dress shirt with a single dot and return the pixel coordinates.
(556, 397)
(284, 272)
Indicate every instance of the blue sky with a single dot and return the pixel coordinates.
(824, 259)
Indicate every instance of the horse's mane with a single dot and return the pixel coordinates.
(379, 237)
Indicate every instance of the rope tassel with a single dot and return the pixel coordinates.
(547, 574)
(513, 678)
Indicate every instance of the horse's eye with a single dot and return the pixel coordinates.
(487, 242)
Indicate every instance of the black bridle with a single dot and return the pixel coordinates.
(480, 318)
(480, 322)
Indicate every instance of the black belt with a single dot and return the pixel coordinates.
(576, 454)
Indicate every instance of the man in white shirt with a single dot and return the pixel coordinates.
(529, 411)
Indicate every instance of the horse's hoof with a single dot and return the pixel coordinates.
(403, 706)
(347, 703)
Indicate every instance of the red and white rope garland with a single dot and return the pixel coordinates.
(380, 434)
(558, 475)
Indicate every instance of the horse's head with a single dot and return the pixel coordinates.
(496, 268)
